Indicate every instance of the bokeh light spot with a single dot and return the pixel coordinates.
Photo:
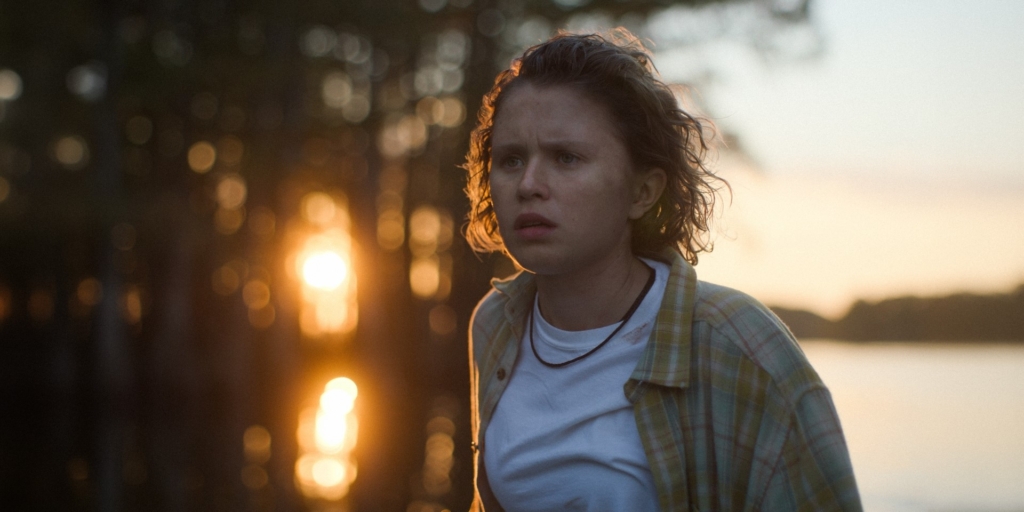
(327, 434)
(390, 229)
(424, 230)
(336, 89)
(71, 152)
(171, 49)
(318, 41)
(408, 135)
(254, 477)
(228, 221)
(10, 85)
(331, 429)
(89, 291)
(318, 208)
(425, 276)
(328, 472)
(432, 5)
(339, 396)
(441, 424)
(231, 192)
(226, 280)
(256, 442)
(201, 157)
(451, 113)
(88, 81)
(139, 129)
(442, 320)
(356, 109)
(490, 22)
(256, 294)
(131, 305)
(325, 270)
(426, 108)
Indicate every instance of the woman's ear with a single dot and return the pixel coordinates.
(647, 188)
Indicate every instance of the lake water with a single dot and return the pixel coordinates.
(936, 427)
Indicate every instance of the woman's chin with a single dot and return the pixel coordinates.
(535, 261)
(544, 266)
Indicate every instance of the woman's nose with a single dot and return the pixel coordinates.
(533, 182)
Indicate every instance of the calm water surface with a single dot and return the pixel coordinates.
(930, 426)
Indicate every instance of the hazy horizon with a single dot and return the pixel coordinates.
(887, 165)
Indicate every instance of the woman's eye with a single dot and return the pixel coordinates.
(567, 158)
(512, 161)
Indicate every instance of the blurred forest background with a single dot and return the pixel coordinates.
(211, 209)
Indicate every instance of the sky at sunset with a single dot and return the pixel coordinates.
(889, 164)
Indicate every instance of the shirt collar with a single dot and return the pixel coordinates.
(519, 290)
(666, 360)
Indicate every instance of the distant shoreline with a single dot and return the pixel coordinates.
(959, 318)
(940, 343)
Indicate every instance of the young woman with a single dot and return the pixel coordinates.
(605, 376)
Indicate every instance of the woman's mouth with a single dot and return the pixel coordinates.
(531, 226)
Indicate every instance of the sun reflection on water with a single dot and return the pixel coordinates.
(323, 263)
(327, 435)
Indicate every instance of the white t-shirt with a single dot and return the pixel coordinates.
(566, 438)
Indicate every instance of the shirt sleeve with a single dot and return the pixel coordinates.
(813, 471)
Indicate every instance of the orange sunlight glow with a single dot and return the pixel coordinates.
(327, 435)
(323, 264)
(325, 270)
(430, 237)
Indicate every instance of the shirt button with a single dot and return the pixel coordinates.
(501, 374)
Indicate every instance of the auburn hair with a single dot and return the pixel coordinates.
(615, 71)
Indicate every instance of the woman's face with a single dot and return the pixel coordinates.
(561, 180)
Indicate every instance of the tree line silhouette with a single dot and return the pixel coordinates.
(153, 157)
(964, 317)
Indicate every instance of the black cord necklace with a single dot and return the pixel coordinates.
(625, 320)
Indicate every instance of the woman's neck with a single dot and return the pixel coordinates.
(592, 297)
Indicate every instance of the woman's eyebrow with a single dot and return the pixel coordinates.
(571, 144)
(547, 145)
(509, 147)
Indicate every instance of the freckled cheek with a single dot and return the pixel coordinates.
(503, 212)
(503, 215)
(500, 193)
(581, 212)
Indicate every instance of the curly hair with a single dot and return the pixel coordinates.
(617, 72)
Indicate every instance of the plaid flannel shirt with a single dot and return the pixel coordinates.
(730, 412)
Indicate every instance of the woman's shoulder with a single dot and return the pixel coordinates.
(727, 308)
(731, 320)
(505, 295)
(489, 309)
